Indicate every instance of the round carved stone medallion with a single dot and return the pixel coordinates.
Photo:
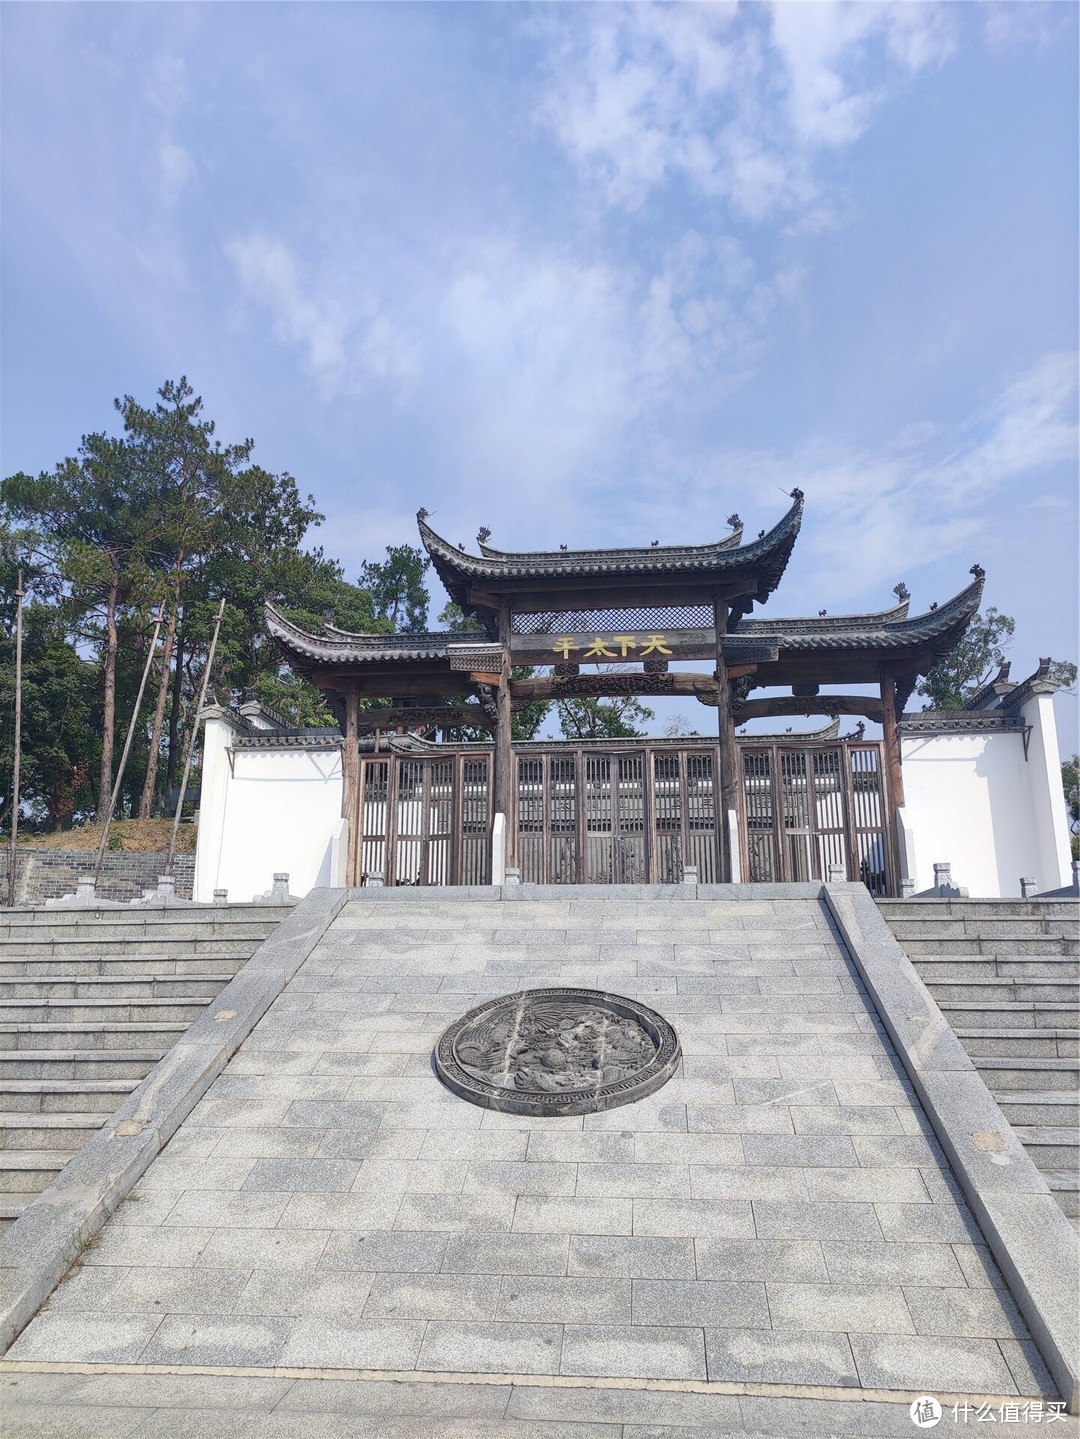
(557, 1051)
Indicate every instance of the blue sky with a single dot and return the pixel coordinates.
(585, 274)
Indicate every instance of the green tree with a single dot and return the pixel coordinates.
(603, 719)
(59, 721)
(1063, 673)
(524, 723)
(91, 519)
(1070, 780)
(168, 515)
(397, 586)
(963, 672)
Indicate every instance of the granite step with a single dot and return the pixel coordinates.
(995, 966)
(1065, 1188)
(1010, 1016)
(178, 915)
(99, 1037)
(95, 987)
(1056, 1108)
(979, 909)
(78, 1063)
(30, 1170)
(12, 1205)
(111, 1010)
(989, 927)
(142, 947)
(64, 1096)
(1051, 1146)
(1029, 945)
(19, 1130)
(1015, 1074)
(1030, 1043)
(1035, 991)
(118, 967)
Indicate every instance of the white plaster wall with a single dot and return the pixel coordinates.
(276, 810)
(974, 801)
(1053, 865)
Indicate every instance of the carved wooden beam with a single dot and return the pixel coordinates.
(600, 686)
(867, 705)
(423, 717)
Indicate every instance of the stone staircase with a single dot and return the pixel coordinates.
(90, 1000)
(1006, 976)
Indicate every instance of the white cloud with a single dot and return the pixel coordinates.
(934, 494)
(643, 93)
(270, 276)
(529, 361)
(176, 171)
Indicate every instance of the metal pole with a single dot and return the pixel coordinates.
(127, 747)
(18, 742)
(191, 739)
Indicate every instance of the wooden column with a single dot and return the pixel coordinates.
(504, 754)
(894, 774)
(350, 799)
(729, 778)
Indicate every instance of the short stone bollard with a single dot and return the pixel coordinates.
(907, 888)
(221, 896)
(373, 880)
(835, 874)
(513, 876)
(690, 874)
(1028, 887)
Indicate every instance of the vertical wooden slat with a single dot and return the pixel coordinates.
(350, 756)
(505, 778)
(894, 775)
(850, 827)
(729, 786)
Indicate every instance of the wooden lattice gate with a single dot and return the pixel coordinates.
(426, 820)
(590, 816)
(629, 815)
(811, 807)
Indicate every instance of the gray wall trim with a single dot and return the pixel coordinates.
(1032, 1241)
(39, 1248)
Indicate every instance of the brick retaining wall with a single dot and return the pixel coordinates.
(51, 873)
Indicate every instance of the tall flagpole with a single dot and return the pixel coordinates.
(18, 742)
(191, 739)
(127, 746)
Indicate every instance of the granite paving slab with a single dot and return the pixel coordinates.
(776, 1214)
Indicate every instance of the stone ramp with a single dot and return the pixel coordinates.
(285, 1406)
(90, 1001)
(778, 1214)
(1006, 975)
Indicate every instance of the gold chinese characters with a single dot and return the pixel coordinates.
(613, 647)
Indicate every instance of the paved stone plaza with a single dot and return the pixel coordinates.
(777, 1214)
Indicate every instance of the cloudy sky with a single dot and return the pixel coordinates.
(583, 273)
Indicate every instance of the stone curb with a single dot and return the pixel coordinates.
(38, 1249)
(612, 893)
(1032, 1241)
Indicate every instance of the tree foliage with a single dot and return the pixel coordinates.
(591, 719)
(1070, 782)
(525, 722)
(162, 516)
(961, 674)
(397, 587)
